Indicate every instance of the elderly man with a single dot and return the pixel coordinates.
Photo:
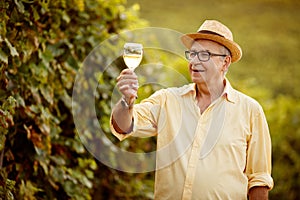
(217, 139)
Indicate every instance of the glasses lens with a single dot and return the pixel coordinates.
(203, 56)
(190, 55)
(187, 55)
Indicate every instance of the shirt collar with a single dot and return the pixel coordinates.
(190, 88)
(228, 92)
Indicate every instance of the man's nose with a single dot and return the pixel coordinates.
(195, 60)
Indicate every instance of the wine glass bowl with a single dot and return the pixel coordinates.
(133, 54)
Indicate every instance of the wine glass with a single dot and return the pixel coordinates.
(133, 54)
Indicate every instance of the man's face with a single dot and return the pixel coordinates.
(207, 71)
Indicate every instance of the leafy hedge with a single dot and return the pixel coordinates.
(43, 44)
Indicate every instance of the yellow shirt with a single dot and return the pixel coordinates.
(219, 154)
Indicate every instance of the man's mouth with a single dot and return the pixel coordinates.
(197, 70)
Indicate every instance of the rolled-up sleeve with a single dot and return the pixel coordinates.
(258, 167)
(145, 117)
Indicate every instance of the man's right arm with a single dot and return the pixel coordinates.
(122, 116)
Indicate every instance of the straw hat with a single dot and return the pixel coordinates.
(215, 31)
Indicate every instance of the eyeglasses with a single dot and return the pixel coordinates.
(202, 55)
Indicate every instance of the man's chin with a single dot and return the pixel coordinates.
(198, 80)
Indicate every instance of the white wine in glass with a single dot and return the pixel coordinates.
(133, 54)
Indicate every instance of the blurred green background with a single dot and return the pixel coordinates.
(43, 45)
(267, 31)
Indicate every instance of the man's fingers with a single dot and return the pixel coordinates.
(127, 76)
(127, 83)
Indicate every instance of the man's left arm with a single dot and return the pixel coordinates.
(259, 193)
(258, 167)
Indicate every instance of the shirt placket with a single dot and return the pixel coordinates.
(200, 136)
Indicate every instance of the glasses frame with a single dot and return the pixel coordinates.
(186, 53)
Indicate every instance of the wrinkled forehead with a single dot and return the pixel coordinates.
(205, 45)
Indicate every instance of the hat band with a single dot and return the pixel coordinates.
(210, 32)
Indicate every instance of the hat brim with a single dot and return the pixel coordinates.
(234, 48)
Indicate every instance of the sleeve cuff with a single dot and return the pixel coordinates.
(120, 136)
(260, 179)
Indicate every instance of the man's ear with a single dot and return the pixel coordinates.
(227, 62)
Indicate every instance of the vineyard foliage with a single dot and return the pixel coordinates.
(43, 45)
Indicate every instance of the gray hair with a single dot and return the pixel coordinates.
(225, 51)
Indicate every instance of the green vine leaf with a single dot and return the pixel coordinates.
(13, 51)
